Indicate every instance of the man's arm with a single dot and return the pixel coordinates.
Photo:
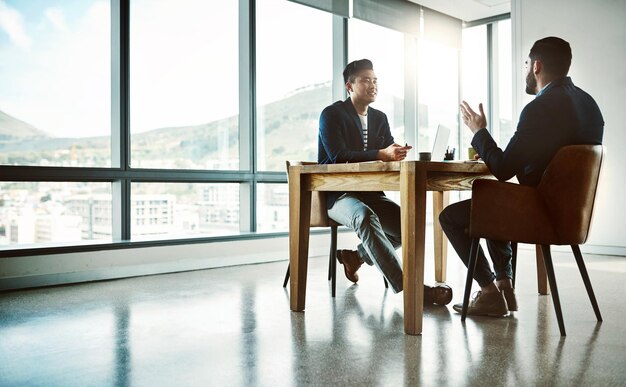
(502, 164)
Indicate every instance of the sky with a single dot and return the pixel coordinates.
(55, 61)
(55, 70)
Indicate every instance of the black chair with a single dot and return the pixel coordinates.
(319, 218)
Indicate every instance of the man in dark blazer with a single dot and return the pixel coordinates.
(561, 114)
(352, 131)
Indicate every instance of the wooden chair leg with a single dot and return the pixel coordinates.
(542, 283)
(286, 276)
(332, 267)
(547, 258)
(471, 266)
(583, 272)
(514, 260)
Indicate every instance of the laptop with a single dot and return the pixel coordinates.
(441, 143)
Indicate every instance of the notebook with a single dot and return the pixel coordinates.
(441, 143)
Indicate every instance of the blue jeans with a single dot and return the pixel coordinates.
(376, 220)
(455, 222)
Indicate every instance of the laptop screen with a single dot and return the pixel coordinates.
(441, 143)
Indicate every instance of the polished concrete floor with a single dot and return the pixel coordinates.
(232, 327)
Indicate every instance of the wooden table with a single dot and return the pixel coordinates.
(412, 179)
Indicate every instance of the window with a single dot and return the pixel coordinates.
(184, 209)
(191, 167)
(55, 98)
(437, 93)
(184, 73)
(272, 207)
(475, 76)
(54, 212)
(385, 48)
(487, 77)
(294, 75)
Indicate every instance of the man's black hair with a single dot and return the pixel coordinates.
(554, 53)
(351, 70)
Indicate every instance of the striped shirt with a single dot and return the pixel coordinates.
(364, 126)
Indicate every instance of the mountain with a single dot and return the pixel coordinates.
(13, 129)
(286, 129)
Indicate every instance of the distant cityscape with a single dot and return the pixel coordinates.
(61, 215)
(55, 212)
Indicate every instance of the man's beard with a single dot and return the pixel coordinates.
(531, 84)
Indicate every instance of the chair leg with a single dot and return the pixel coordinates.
(547, 258)
(514, 260)
(332, 267)
(385, 281)
(286, 276)
(583, 272)
(471, 266)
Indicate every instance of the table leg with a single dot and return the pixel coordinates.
(299, 222)
(440, 200)
(413, 210)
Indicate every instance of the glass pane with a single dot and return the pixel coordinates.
(385, 48)
(55, 77)
(474, 69)
(438, 85)
(272, 207)
(184, 77)
(184, 209)
(53, 212)
(505, 82)
(294, 73)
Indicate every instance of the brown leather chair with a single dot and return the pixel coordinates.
(556, 212)
(319, 218)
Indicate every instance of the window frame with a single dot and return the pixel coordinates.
(121, 175)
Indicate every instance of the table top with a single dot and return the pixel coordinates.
(393, 166)
(385, 176)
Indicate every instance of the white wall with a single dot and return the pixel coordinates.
(54, 269)
(596, 31)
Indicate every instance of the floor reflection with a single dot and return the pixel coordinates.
(233, 327)
(122, 345)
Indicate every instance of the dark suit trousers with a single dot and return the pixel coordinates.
(455, 221)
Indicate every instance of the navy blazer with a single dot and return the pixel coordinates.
(340, 137)
(562, 114)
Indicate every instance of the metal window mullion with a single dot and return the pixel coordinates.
(410, 90)
(247, 114)
(120, 132)
(495, 82)
(340, 56)
(490, 77)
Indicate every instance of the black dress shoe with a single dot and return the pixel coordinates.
(351, 263)
(439, 294)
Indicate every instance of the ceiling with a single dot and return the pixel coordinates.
(468, 10)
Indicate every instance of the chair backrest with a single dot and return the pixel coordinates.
(568, 188)
(319, 213)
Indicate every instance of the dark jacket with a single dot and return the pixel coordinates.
(341, 137)
(562, 114)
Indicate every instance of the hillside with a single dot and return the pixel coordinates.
(13, 129)
(291, 122)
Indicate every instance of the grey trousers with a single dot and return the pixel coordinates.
(376, 220)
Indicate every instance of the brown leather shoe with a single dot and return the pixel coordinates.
(439, 294)
(485, 304)
(351, 263)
